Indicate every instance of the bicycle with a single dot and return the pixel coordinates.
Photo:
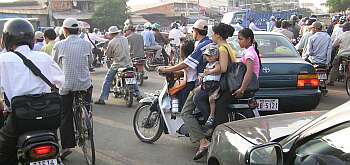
(83, 126)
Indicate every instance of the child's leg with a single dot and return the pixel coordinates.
(212, 105)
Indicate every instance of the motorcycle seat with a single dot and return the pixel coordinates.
(320, 66)
(149, 50)
(125, 69)
(35, 137)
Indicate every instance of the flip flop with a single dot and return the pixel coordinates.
(200, 153)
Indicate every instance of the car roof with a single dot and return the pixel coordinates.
(332, 118)
(264, 33)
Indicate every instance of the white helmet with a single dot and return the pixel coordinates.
(147, 25)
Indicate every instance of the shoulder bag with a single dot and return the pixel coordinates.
(233, 78)
(37, 111)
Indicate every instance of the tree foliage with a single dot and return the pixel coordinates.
(338, 5)
(110, 13)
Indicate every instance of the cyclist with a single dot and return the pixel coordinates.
(17, 79)
(343, 42)
(161, 41)
(73, 54)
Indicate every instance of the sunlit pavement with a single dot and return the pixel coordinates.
(116, 143)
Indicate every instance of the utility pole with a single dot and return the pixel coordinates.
(49, 7)
(198, 9)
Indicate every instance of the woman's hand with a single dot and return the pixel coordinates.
(238, 93)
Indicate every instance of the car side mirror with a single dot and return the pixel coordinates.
(267, 154)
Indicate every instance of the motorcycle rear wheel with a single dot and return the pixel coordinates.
(149, 121)
(129, 98)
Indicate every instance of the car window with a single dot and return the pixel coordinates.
(329, 147)
(269, 46)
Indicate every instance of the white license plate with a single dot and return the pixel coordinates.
(45, 162)
(130, 80)
(267, 104)
(322, 76)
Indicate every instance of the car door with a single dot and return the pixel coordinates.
(327, 147)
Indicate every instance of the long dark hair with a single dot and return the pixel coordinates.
(224, 30)
(248, 33)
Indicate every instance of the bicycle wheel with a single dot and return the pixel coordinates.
(87, 140)
(348, 85)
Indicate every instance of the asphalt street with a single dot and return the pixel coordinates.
(116, 143)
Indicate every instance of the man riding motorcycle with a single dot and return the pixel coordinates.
(118, 49)
(161, 41)
(150, 41)
(343, 42)
(18, 80)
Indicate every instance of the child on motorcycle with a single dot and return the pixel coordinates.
(211, 79)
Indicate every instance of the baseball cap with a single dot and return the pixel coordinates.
(70, 23)
(201, 24)
(39, 35)
(113, 29)
(317, 25)
(211, 50)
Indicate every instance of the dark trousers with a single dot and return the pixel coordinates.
(201, 100)
(67, 126)
(8, 142)
(165, 56)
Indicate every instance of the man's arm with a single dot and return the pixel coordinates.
(55, 53)
(109, 51)
(308, 51)
(329, 51)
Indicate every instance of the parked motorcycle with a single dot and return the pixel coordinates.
(159, 113)
(321, 71)
(152, 62)
(123, 84)
(139, 63)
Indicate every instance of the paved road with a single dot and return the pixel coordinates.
(117, 144)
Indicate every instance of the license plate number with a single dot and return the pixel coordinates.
(45, 162)
(267, 104)
(322, 76)
(130, 80)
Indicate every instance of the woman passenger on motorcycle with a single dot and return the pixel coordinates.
(226, 54)
(250, 57)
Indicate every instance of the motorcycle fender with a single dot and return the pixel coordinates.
(147, 100)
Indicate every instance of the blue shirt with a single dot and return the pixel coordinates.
(148, 38)
(195, 60)
(319, 48)
(38, 46)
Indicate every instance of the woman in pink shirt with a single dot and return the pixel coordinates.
(250, 58)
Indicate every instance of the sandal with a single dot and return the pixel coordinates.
(200, 153)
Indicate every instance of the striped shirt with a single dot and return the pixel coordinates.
(73, 55)
(319, 48)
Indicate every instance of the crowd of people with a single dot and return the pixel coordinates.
(65, 56)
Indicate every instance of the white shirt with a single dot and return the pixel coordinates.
(176, 34)
(16, 79)
(94, 37)
(212, 77)
(344, 43)
(337, 32)
(253, 27)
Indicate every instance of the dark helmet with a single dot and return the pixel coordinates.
(174, 25)
(18, 32)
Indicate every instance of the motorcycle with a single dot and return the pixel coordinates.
(123, 84)
(321, 71)
(36, 147)
(159, 113)
(152, 62)
(98, 54)
(138, 63)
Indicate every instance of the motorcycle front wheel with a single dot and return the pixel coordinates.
(148, 125)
